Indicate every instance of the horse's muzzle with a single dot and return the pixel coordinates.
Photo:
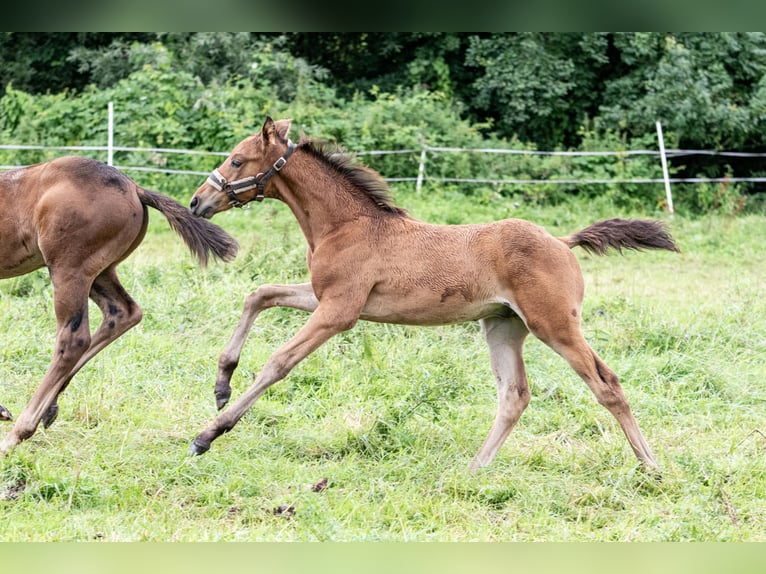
(200, 209)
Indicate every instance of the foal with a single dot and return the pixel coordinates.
(369, 260)
(80, 218)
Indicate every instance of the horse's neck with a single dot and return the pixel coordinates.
(319, 209)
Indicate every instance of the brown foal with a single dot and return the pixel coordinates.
(80, 218)
(369, 260)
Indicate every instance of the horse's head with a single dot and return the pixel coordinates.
(244, 175)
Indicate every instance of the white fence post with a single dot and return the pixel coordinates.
(665, 174)
(421, 169)
(110, 135)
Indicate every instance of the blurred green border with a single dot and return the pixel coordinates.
(384, 558)
(392, 15)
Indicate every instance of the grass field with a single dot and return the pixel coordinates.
(391, 416)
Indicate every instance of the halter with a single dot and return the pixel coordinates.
(233, 188)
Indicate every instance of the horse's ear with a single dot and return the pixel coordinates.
(283, 128)
(272, 129)
(268, 129)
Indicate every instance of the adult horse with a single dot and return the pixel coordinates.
(369, 260)
(80, 218)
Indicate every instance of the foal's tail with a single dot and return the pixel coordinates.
(617, 234)
(201, 236)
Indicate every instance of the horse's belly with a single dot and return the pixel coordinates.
(18, 257)
(428, 309)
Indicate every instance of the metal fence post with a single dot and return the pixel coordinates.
(665, 174)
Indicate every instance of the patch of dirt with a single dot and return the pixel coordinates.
(285, 510)
(14, 491)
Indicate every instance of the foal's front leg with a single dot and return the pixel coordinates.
(294, 296)
(326, 321)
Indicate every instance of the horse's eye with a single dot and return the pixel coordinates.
(236, 163)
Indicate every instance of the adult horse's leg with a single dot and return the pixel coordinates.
(295, 296)
(70, 297)
(324, 323)
(505, 339)
(120, 313)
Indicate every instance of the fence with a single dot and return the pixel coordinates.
(422, 176)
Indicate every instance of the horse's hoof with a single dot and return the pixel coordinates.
(221, 399)
(50, 415)
(5, 414)
(198, 448)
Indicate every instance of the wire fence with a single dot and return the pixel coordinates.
(422, 175)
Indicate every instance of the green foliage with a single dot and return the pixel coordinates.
(525, 84)
(183, 92)
(698, 85)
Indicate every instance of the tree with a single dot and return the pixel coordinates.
(40, 62)
(537, 86)
(358, 61)
(705, 88)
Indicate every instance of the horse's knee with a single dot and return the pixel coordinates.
(257, 297)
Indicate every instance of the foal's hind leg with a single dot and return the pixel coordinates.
(120, 313)
(295, 296)
(72, 340)
(604, 383)
(505, 339)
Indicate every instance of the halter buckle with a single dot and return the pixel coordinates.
(280, 163)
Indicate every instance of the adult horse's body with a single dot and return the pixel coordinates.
(80, 218)
(369, 260)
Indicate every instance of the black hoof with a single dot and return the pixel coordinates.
(197, 448)
(50, 415)
(5, 414)
(221, 399)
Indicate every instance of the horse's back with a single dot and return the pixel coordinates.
(425, 274)
(67, 207)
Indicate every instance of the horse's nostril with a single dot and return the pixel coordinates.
(194, 202)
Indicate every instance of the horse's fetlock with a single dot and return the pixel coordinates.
(227, 363)
(24, 431)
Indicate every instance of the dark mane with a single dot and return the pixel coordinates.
(363, 178)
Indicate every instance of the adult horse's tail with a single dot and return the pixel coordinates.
(619, 234)
(201, 236)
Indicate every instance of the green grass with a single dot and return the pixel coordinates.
(391, 416)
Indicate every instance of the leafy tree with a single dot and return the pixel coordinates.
(359, 61)
(40, 62)
(701, 86)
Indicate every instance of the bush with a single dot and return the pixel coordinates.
(160, 105)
